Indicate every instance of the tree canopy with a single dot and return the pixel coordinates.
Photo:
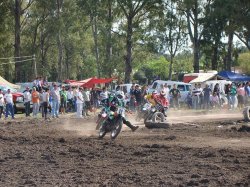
(77, 39)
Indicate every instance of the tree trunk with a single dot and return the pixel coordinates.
(17, 44)
(196, 40)
(60, 56)
(94, 31)
(128, 58)
(215, 57)
(229, 51)
(170, 67)
(59, 42)
(108, 62)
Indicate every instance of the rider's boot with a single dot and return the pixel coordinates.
(132, 127)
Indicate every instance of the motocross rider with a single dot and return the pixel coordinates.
(155, 98)
(120, 94)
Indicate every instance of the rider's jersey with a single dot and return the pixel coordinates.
(150, 99)
(154, 99)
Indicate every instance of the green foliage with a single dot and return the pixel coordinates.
(244, 62)
(157, 67)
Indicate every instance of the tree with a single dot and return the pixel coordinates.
(170, 32)
(19, 10)
(135, 13)
(194, 11)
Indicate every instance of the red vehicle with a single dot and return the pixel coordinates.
(17, 98)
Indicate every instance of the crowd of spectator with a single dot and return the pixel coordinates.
(232, 96)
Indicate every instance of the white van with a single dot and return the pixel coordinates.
(183, 87)
(222, 84)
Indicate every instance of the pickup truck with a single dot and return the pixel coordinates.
(17, 98)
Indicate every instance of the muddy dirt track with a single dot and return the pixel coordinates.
(197, 150)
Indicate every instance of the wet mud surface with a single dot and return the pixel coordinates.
(67, 152)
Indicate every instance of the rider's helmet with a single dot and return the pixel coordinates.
(162, 93)
(154, 92)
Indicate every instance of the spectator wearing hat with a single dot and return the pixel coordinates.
(1, 103)
(27, 100)
(55, 95)
(9, 104)
(35, 100)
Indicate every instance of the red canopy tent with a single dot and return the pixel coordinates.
(90, 82)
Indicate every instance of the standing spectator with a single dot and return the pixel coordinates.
(9, 104)
(201, 97)
(45, 96)
(132, 98)
(241, 94)
(41, 108)
(227, 92)
(188, 99)
(75, 93)
(160, 89)
(35, 100)
(1, 103)
(166, 90)
(247, 91)
(217, 91)
(27, 99)
(55, 94)
(86, 97)
(63, 97)
(138, 97)
(70, 97)
(79, 102)
(215, 100)
(233, 93)
(206, 97)
(104, 94)
(196, 97)
(144, 92)
(175, 92)
(94, 97)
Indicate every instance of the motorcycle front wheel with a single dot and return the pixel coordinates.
(117, 129)
(102, 132)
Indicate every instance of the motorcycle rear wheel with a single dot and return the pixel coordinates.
(116, 130)
(158, 117)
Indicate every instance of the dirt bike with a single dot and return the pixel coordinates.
(101, 117)
(156, 114)
(143, 112)
(112, 122)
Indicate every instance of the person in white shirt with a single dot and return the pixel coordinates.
(1, 103)
(55, 94)
(9, 104)
(27, 99)
(104, 94)
(86, 97)
(79, 102)
(166, 90)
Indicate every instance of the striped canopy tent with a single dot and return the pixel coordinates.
(4, 82)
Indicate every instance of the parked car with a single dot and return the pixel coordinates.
(17, 98)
